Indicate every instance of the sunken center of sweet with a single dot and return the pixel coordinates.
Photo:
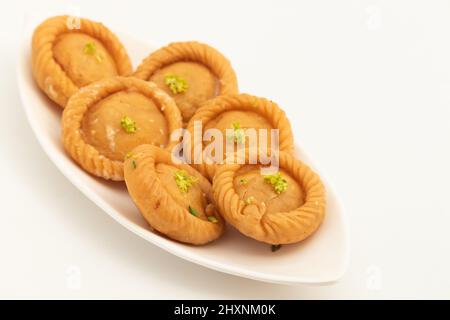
(236, 122)
(193, 197)
(196, 85)
(123, 121)
(83, 58)
(252, 188)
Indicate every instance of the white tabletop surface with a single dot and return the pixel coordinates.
(366, 85)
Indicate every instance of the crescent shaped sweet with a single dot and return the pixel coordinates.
(191, 72)
(174, 198)
(277, 208)
(238, 113)
(105, 120)
(67, 56)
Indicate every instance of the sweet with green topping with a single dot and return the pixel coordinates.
(176, 84)
(184, 181)
(243, 181)
(91, 49)
(278, 183)
(213, 219)
(129, 155)
(128, 124)
(193, 211)
(238, 133)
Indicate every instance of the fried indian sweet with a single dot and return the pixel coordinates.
(244, 120)
(104, 121)
(67, 56)
(174, 198)
(273, 206)
(191, 72)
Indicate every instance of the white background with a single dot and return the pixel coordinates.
(366, 85)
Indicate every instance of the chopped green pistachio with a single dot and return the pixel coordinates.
(193, 211)
(184, 181)
(278, 183)
(213, 219)
(129, 155)
(276, 247)
(243, 181)
(249, 200)
(134, 164)
(176, 83)
(238, 133)
(91, 49)
(128, 124)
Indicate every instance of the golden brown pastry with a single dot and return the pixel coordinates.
(67, 57)
(280, 207)
(175, 199)
(105, 120)
(190, 72)
(236, 113)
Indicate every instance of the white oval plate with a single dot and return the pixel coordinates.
(321, 259)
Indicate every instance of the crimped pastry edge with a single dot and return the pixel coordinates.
(274, 228)
(157, 205)
(85, 154)
(191, 51)
(244, 102)
(49, 75)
